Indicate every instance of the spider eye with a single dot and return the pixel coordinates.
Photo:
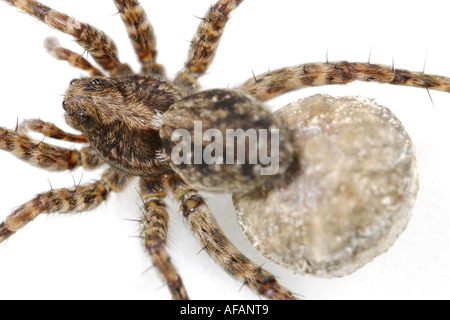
(93, 84)
(64, 105)
(83, 117)
(72, 81)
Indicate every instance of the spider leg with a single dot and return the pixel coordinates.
(141, 34)
(74, 59)
(205, 42)
(50, 130)
(96, 42)
(76, 199)
(154, 223)
(271, 84)
(47, 156)
(206, 230)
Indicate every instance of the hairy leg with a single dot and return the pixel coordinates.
(206, 230)
(154, 224)
(70, 200)
(141, 34)
(52, 131)
(96, 42)
(44, 155)
(205, 42)
(74, 59)
(274, 83)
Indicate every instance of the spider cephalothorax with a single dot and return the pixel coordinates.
(128, 121)
(121, 118)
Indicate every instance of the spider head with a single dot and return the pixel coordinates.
(121, 118)
(83, 103)
(132, 102)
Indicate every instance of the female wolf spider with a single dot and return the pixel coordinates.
(152, 189)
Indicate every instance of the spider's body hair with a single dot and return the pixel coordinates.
(121, 119)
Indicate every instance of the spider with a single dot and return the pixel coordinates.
(45, 141)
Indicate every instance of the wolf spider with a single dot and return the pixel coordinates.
(151, 190)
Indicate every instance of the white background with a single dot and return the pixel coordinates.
(95, 255)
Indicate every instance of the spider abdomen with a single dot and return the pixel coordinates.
(224, 140)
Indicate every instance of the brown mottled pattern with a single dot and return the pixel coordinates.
(38, 153)
(206, 40)
(223, 110)
(141, 34)
(121, 119)
(48, 129)
(207, 231)
(76, 199)
(116, 180)
(46, 156)
(154, 224)
(271, 84)
(96, 42)
(90, 158)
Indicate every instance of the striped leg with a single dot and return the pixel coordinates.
(70, 200)
(74, 59)
(52, 131)
(205, 42)
(154, 223)
(141, 33)
(47, 156)
(96, 42)
(274, 83)
(206, 230)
